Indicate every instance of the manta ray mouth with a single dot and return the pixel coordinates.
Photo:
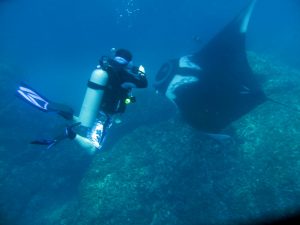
(166, 73)
(164, 76)
(176, 82)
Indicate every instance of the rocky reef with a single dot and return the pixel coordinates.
(168, 173)
(165, 172)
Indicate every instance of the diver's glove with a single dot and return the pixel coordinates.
(141, 71)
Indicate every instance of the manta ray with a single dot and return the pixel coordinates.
(214, 86)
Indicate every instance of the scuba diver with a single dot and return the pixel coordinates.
(109, 91)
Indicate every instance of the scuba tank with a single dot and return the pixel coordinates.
(93, 97)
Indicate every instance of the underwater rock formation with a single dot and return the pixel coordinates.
(168, 173)
(162, 172)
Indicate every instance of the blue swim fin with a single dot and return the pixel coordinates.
(51, 142)
(37, 100)
(33, 98)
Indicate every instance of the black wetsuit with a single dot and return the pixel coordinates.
(115, 95)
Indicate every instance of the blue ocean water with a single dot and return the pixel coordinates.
(61, 41)
(55, 44)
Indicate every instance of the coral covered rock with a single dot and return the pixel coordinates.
(169, 173)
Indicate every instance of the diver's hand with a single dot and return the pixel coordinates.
(141, 72)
